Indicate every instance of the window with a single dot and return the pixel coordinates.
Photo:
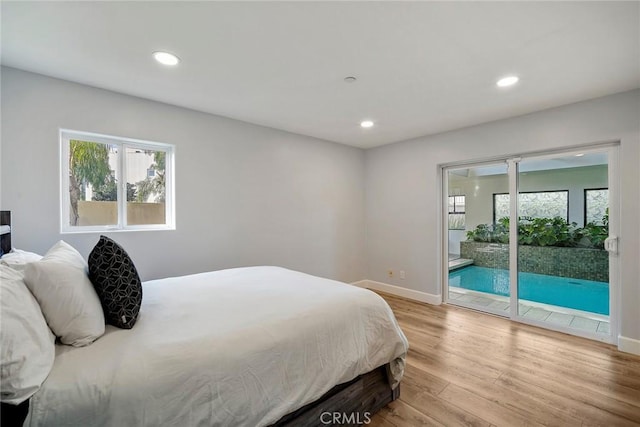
(596, 204)
(107, 183)
(456, 212)
(541, 204)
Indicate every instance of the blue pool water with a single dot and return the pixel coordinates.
(585, 295)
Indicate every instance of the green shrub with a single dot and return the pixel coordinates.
(544, 232)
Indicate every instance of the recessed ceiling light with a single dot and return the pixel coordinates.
(507, 81)
(366, 123)
(166, 58)
(580, 155)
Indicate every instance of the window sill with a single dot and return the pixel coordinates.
(107, 229)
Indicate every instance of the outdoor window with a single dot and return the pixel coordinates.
(596, 203)
(107, 183)
(543, 204)
(456, 212)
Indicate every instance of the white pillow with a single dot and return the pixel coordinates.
(27, 346)
(18, 259)
(68, 300)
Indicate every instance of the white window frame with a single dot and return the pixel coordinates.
(66, 135)
(455, 211)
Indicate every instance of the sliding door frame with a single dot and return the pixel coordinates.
(513, 161)
(444, 235)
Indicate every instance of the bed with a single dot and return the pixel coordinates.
(253, 346)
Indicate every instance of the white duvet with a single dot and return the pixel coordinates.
(238, 347)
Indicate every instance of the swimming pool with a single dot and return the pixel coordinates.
(585, 295)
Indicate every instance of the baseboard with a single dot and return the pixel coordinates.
(400, 291)
(628, 345)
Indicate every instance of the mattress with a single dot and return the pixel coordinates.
(237, 347)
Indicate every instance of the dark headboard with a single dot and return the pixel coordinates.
(10, 415)
(5, 239)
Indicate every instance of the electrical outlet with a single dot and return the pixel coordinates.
(402, 274)
(390, 273)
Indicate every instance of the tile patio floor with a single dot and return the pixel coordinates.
(575, 319)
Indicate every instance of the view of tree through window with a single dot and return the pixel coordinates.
(96, 169)
(150, 190)
(544, 204)
(596, 202)
(89, 174)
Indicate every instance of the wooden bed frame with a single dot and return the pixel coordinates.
(358, 400)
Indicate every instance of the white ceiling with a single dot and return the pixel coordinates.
(422, 67)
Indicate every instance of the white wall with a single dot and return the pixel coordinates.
(245, 194)
(455, 237)
(402, 187)
(272, 197)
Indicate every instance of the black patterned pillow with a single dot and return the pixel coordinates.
(117, 283)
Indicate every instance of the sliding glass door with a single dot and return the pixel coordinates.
(478, 254)
(526, 239)
(563, 221)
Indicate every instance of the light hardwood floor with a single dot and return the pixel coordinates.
(469, 368)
